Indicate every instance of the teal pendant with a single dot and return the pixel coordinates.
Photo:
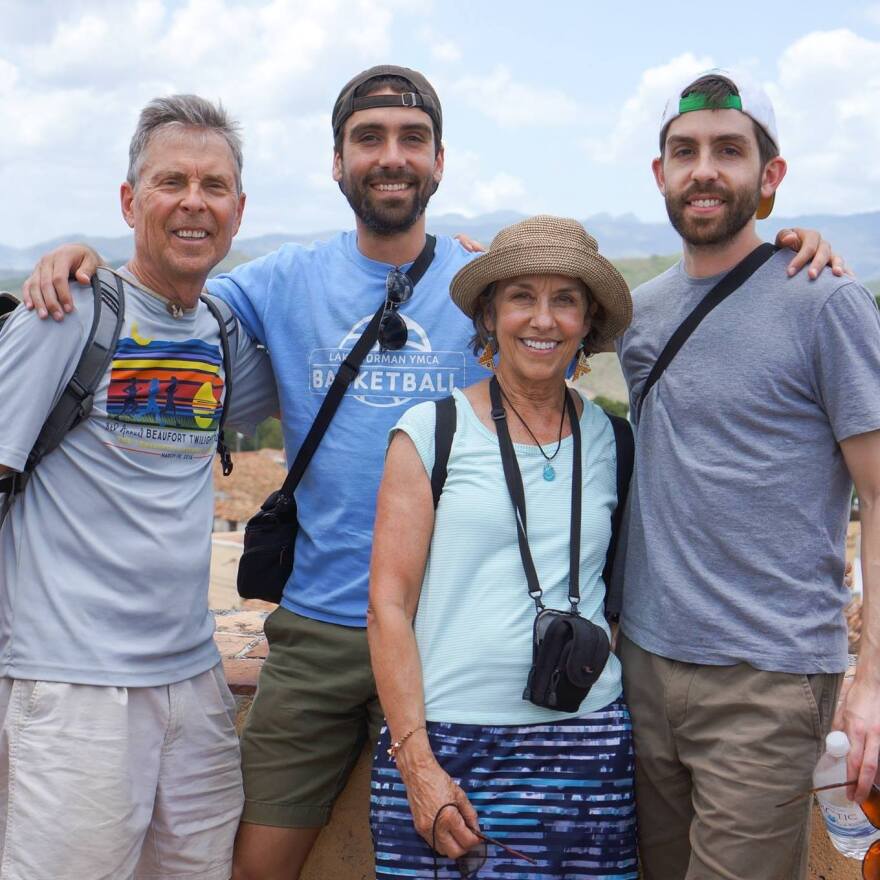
(549, 473)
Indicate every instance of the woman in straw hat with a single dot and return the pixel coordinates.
(499, 784)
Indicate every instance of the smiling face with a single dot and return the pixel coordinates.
(711, 175)
(185, 209)
(538, 322)
(388, 167)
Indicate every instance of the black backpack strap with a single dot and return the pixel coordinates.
(8, 304)
(228, 324)
(625, 445)
(76, 400)
(444, 431)
(735, 278)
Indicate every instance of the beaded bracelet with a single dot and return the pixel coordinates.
(395, 747)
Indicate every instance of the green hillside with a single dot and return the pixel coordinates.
(638, 270)
(12, 283)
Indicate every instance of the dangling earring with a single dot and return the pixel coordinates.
(487, 358)
(582, 367)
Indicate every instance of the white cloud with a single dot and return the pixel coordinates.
(635, 132)
(446, 51)
(70, 92)
(827, 95)
(468, 189)
(440, 48)
(510, 103)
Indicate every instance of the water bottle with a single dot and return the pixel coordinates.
(848, 827)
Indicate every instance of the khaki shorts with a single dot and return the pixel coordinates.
(315, 708)
(99, 782)
(717, 747)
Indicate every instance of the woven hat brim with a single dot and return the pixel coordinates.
(606, 284)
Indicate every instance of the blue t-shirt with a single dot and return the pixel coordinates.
(309, 306)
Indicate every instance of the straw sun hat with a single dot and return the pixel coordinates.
(546, 245)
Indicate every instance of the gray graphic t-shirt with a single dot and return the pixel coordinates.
(104, 558)
(740, 499)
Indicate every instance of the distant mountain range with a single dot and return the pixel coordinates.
(856, 236)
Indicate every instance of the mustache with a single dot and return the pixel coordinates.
(706, 192)
(382, 176)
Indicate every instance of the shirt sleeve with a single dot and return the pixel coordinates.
(418, 424)
(254, 394)
(37, 359)
(246, 289)
(846, 358)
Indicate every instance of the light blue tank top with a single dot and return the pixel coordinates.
(474, 621)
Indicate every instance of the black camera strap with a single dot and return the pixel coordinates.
(346, 374)
(513, 478)
(733, 280)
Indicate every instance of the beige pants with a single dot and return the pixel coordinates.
(113, 783)
(717, 747)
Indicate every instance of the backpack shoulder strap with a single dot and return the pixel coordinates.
(8, 304)
(444, 431)
(228, 324)
(625, 444)
(76, 400)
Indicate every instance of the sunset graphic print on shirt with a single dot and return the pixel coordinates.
(165, 396)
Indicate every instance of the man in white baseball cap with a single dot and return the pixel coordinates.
(733, 635)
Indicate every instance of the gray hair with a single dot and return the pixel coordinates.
(189, 111)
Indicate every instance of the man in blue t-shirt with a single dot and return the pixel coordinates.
(733, 633)
(316, 704)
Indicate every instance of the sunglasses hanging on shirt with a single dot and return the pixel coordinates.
(399, 288)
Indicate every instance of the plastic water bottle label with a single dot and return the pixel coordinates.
(845, 821)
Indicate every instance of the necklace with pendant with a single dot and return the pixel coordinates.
(549, 471)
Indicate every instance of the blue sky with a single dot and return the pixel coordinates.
(548, 106)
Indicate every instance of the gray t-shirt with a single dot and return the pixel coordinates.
(105, 556)
(740, 499)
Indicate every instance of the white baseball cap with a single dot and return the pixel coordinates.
(750, 99)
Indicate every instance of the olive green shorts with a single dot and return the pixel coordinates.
(315, 708)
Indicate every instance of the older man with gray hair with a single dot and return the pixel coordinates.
(118, 755)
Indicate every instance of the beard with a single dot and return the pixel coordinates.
(388, 216)
(740, 205)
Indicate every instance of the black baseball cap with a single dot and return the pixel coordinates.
(422, 96)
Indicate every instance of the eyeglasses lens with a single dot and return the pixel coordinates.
(398, 287)
(472, 861)
(392, 331)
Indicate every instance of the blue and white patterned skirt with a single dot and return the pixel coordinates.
(561, 793)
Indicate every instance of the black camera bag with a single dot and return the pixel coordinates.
(569, 653)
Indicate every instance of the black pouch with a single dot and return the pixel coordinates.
(569, 653)
(269, 540)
